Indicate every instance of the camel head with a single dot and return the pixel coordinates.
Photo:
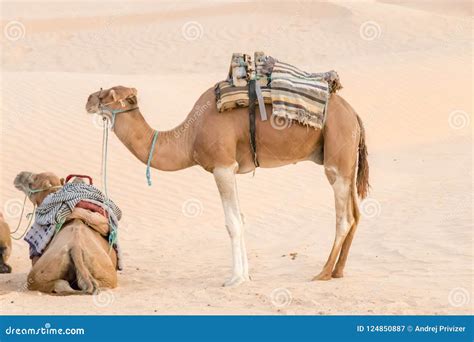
(106, 101)
(37, 185)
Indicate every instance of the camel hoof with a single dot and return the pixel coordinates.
(234, 281)
(322, 276)
(337, 274)
(5, 268)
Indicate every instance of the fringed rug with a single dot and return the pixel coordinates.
(294, 94)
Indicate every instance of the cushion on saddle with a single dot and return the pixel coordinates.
(92, 207)
(294, 94)
(229, 97)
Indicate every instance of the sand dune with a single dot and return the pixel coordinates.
(405, 67)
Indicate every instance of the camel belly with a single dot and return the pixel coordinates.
(278, 147)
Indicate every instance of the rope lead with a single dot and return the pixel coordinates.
(150, 157)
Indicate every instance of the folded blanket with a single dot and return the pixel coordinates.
(299, 95)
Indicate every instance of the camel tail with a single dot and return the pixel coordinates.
(85, 281)
(362, 182)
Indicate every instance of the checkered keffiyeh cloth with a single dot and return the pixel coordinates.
(57, 206)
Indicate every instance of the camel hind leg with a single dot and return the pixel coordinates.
(342, 134)
(341, 262)
(49, 272)
(345, 220)
(62, 287)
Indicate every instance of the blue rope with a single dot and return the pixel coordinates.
(114, 113)
(150, 156)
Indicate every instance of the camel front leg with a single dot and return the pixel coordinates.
(226, 183)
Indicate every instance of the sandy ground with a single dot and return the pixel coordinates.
(406, 68)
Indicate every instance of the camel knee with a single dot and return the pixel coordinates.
(36, 282)
(234, 228)
(343, 227)
(331, 174)
(31, 282)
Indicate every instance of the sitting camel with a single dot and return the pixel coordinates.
(78, 260)
(5, 246)
(220, 143)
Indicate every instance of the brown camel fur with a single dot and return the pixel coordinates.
(220, 143)
(78, 260)
(5, 246)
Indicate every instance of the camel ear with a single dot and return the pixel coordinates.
(24, 180)
(62, 181)
(134, 91)
(113, 94)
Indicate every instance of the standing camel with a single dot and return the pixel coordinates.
(220, 143)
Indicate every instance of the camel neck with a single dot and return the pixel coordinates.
(173, 150)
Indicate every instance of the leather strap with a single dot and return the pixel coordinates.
(252, 103)
(261, 103)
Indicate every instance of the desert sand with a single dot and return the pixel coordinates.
(406, 67)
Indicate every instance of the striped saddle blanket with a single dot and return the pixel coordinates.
(294, 94)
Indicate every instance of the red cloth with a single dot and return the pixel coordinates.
(92, 207)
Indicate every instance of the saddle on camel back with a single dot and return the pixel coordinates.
(293, 93)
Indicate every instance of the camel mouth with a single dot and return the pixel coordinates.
(93, 110)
